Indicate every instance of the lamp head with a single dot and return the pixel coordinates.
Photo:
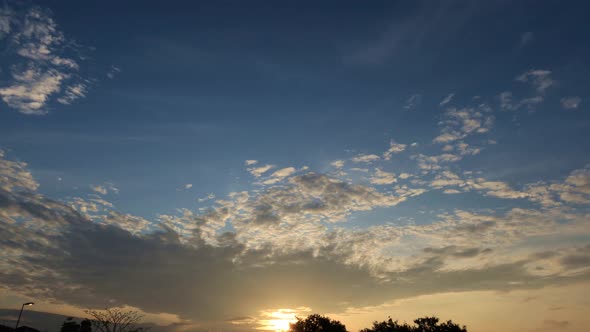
(29, 303)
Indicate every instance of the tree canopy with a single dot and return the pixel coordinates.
(316, 323)
(425, 324)
(115, 320)
(319, 323)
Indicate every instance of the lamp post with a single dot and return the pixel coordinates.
(21, 312)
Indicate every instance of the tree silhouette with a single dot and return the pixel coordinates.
(425, 324)
(389, 326)
(316, 323)
(115, 320)
(85, 326)
(70, 325)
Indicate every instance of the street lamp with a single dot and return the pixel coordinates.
(21, 312)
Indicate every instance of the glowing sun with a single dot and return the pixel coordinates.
(279, 319)
(279, 324)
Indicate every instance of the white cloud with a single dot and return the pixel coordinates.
(337, 163)
(41, 74)
(279, 175)
(14, 175)
(448, 137)
(72, 93)
(105, 188)
(365, 158)
(31, 90)
(460, 123)
(258, 171)
(250, 162)
(393, 148)
(570, 103)
(405, 175)
(433, 163)
(540, 79)
(100, 189)
(447, 99)
(210, 196)
(188, 186)
(284, 172)
(381, 177)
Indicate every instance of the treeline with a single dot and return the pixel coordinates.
(317, 323)
(115, 320)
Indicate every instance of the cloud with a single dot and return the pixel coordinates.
(14, 175)
(105, 188)
(413, 101)
(433, 163)
(460, 123)
(507, 104)
(337, 163)
(41, 74)
(284, 172)
(31, 90)
(365, 158)
(393, 149)
(539, 78)
(279, 175)
(188, 186)
(113, 71)
(570, 103)
(279, 237)
(381, 177)
(447, 99)
(250, 162)
(72, 93)
(209, 197)
(258, 171)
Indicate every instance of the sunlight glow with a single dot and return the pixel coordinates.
(279, 319)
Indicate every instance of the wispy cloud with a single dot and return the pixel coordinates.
(460, 123)
(394, 148)
(41, 73)
(570, 103)
(258, 171)
(447, 99)
(539, 78)
(365, 158)
(105, 188)
(413, 101)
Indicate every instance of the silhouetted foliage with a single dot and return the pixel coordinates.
(70, 325)
(85, 326)
(316, 323)
(389, 326)
(425, 324)
(115, 320)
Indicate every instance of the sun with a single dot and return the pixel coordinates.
(279, 324)
(279, 320)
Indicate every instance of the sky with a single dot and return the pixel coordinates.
(229, 165)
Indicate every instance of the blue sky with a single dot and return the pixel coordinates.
(388, 116)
